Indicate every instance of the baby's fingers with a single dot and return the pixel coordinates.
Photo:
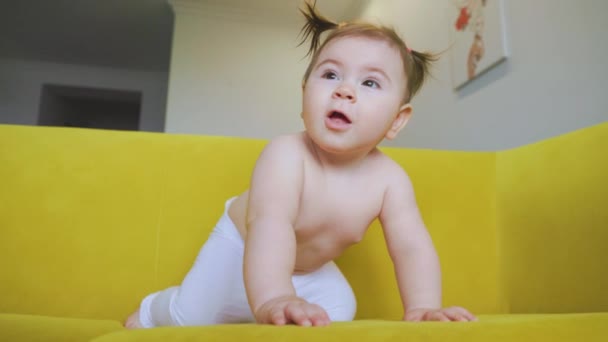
(295, 313)
(461, 314)
(316, 314)
(436, 316)
(277, 317)
(468, 315)
(455, 316)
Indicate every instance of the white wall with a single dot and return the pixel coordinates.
(235, 78)
(236, 69)
(553, 82)
(21, 85)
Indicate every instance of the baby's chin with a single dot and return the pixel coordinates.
(336, 145)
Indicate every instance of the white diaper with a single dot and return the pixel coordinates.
(213, 291)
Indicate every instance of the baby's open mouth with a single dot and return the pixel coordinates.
(337, 116)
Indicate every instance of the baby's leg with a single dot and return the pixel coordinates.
(213, 291)
(328, 288)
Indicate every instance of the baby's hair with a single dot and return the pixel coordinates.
(416, 64)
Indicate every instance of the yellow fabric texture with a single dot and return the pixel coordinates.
(41, 329)
(553, 223)
(455, 193)
(499, 328)
(91, 221)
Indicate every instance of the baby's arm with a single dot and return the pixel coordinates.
(270, 245)
(411, 249)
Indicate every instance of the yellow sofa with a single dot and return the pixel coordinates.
(91, 221)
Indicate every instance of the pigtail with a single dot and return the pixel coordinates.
(315, 25)
(420, 68)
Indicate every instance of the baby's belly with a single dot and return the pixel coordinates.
(311, 258)
(312, 251)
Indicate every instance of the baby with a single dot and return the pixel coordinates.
(313, 194)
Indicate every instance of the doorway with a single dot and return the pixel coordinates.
(84, 107)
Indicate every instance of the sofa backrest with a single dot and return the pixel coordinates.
(91, 221)
(552, 223)
(94, 220)
(456, 196)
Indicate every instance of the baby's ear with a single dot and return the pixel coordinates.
(405, 112)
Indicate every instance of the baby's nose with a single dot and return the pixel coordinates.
(345, 92)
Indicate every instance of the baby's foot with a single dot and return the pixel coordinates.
(133, 321)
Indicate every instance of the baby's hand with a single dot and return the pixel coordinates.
(454, 313)
(291, 310)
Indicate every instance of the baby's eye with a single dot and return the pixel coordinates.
(371, 84)
(330, 75)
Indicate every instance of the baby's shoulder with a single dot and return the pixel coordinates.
(290, 144)
(388, 170)
(387, 165)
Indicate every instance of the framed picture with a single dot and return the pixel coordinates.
(477, 33)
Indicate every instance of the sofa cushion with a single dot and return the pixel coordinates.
(537, 328)
(42, 328)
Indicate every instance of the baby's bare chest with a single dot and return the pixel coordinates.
(339, 211)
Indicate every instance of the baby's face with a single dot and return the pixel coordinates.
(353, 94)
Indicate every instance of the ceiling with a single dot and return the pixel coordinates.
(118, 33)
(133, 34)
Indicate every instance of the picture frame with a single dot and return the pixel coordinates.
(478, 38)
